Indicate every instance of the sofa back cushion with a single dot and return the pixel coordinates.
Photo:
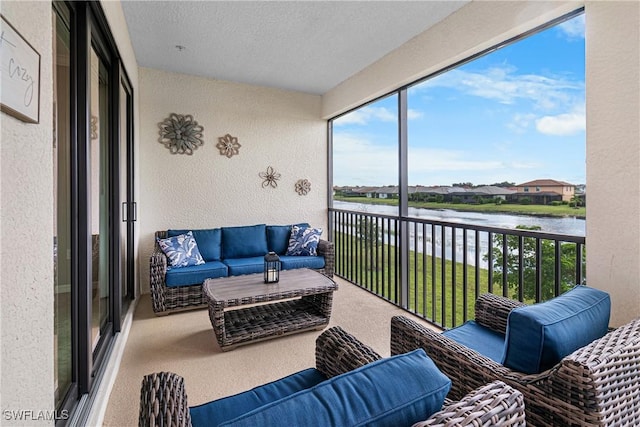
(395, 391)
(243, 242)
(278, 237)
(540, 335)
(209, 242)
(227, 408)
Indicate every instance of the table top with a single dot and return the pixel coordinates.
(250, 288)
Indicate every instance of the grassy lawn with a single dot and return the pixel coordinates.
(536, 210)
(376, 271)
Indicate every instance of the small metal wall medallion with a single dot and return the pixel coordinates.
(269, 178)
(180, 133)
(303, 186)
(228, 145)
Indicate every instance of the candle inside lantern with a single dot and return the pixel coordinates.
(271, 275)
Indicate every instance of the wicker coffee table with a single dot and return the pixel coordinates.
(300, 301)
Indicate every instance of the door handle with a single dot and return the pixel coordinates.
(125, 212)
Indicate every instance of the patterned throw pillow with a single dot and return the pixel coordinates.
(304, 241)
(182, 250)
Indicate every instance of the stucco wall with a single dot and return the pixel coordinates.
(613, 124)
(275, 128)
(26, 243)
(613, 153)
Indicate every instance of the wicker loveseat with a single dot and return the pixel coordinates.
(596, 385)
(378, 400)
(226, 251)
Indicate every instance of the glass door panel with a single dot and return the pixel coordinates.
(126, 211)
(99, 203)
(62, 210)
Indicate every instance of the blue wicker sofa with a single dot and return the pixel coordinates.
(226, 251)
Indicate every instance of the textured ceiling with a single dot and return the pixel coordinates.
(307, 46)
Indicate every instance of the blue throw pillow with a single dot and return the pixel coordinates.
(304, 241)
(540, 335)
(181, 251)
(209, 242)
(278, 237)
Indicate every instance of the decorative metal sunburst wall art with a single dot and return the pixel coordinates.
(303, 186)
(180, 133)
(269, 178)
(228, 145)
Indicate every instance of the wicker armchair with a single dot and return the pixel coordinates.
(166, 299)
(163, 399)
(597, 385)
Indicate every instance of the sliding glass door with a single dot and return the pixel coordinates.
(93, 181)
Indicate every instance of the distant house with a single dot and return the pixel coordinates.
(544, 191)
(389, 192)
(491, 191)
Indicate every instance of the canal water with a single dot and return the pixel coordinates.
(568, 225)
(434, 243)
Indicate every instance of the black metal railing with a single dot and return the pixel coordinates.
(437, 269)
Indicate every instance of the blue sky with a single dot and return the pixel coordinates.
(516, 114)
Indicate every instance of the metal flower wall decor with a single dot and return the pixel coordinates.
(303, 186)
(228, 145)
(180, 133)
(269, 178)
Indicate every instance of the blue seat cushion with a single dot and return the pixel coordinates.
(209, 242)
(245, 265)
(225, 409)
(540, 335)
(243, 242)
(293, 261)
(476, 337)
(278, 237)
(195, 274)
(395, 391)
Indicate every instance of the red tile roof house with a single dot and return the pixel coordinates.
(548, 186)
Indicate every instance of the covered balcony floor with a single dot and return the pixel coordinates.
(184, 343)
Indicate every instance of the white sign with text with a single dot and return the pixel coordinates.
(20, 75)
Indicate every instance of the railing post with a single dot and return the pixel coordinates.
(403, 202)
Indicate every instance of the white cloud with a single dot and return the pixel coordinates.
(573, 28)
(562, 124)
(504, 85)
(434, 159)
(365, 115)
(524, 165)
(520, 122)
(414, 114)
(358, 160)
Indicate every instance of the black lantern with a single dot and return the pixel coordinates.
(271, 268)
